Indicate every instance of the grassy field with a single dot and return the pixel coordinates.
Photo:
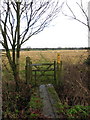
(75, 72)
(74, 90)
(68, 57)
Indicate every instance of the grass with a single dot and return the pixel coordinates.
(69, 57)
(35, 104)
(15, 104)
(74, 112)
(78, 112)
(73, 92)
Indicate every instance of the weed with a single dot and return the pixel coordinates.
(35, 105)
(78, 111)
(75, 84)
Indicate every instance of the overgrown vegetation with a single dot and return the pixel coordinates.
(74, 94)
(36, 15)
(15, 104)
(87, 61)
(36, 105)
(74, 112)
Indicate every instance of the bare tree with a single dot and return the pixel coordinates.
(86, 14)
(19, 21)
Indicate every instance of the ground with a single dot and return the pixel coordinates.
(73, 92)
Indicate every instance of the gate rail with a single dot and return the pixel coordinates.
(42, 68)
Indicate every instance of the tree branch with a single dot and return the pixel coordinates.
(73, 16)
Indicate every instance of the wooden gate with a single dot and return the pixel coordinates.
(44, 70)
(40, 70)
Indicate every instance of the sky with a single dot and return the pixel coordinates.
(62, 32)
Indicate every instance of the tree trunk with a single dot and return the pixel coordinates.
(16, 78)
(18, 39)
(14, 69)
(88, 69)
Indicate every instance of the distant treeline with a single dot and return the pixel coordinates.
(30, 49)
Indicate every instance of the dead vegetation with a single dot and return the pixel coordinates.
(75, 75)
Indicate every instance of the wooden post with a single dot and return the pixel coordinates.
(88, 58)
(58, 58)
(35, 77)
(28, 70)
(55, 71)
(59, 71)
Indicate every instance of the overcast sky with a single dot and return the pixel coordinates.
(65, 33)
(62, 32)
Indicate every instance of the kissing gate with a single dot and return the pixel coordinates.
(43, 71)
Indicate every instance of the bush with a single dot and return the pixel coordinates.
(15, 103)
(87, 61)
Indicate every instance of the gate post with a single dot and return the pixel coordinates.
(28, 69)
(59, 80)
(55, 71)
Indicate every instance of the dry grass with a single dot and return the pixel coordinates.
(71, 56)
(74, 71)
(68, 57)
